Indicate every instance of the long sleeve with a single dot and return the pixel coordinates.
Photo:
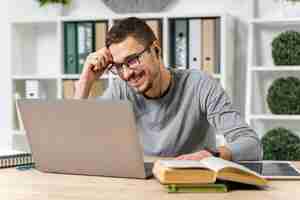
(241, 139)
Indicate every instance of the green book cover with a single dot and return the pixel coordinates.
(70, 46)
(197, 188)
(85, 42)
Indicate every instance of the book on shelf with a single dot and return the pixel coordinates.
(85, 34)
(205, 171)
(195, 43)
(209, 44)
(12, 158)
(34, 89)
(81, 39)
(70, 45)
(100, 32)
(97, 89)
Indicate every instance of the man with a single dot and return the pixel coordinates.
(178, 112)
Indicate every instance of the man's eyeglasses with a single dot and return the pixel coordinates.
(118, 68)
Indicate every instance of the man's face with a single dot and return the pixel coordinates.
(142, 73)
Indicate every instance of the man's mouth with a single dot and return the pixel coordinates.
(137, 79)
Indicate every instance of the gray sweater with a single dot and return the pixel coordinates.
(188, 117)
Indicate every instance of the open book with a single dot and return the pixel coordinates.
(205, 171)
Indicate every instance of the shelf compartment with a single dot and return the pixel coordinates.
(36, 49)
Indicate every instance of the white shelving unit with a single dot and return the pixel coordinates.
(261, 72)
(38, 54)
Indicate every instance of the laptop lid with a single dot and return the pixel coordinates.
(89, 137)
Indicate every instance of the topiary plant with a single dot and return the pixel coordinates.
(281, 144)
(286, 48)
(284, 96)
(44, 2)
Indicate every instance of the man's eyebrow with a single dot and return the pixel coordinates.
(128, 58)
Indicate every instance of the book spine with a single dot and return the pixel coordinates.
(209, 188)
(85, 34)
(195, 44)
(33, 89)
(218, 46)
(208, 45)
(70, 46)
(181, 47)
(100, 33)
(68, 89)
(97, 89)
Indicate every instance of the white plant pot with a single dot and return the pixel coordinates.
(290, 9)
(53, 9)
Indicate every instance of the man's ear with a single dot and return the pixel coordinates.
(157, 48)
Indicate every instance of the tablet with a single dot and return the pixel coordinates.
(273, 169)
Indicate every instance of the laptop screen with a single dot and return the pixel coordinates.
(270, 169)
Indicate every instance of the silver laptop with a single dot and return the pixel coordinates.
(88, 137)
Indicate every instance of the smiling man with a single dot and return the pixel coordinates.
(178, 112)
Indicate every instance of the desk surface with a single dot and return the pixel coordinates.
(35, 185)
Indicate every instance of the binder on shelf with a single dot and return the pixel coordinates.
(218, 46)
(100, 33)
(14, 158)
(70, 44)
(81, 39)
(97, 89)
(68, 89)
(34, 89)
(179, 43)
(85, 44)
(208, 40)
(194, 43)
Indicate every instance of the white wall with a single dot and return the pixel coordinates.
(5, 136)
(241, 9)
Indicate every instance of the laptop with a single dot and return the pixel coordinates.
(269, 169)
(86, 137)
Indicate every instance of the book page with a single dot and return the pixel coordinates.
(217, 164)
(182, 164)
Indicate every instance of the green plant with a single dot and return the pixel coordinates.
(281, 144)
(284, 96)
(44, 2)
(293, 0)
(286, 48)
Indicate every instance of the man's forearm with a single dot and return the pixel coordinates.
(246, 148)
(82, 89)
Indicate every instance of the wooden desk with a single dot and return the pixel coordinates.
(35, 185)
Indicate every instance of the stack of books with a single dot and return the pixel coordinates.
(208, 175)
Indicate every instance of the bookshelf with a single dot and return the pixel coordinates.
(38, 54)
(261, 72)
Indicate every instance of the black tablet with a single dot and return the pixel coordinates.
(273, 169)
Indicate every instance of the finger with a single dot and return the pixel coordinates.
(179, 158)
(108, 56)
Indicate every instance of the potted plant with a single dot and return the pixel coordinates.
(53, 7)
(290, 8)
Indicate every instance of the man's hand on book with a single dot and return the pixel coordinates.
(195, 156)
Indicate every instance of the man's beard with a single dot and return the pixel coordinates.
(145, 90)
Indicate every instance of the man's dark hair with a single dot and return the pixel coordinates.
(132, 26)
